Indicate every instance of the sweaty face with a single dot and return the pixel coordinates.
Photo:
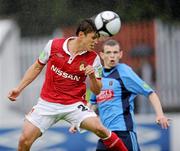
(111, 56)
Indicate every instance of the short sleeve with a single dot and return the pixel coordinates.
(97, 67)
(44, 55)
(134, 83)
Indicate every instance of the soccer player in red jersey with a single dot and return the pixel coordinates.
(69, 61)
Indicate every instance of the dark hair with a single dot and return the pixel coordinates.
(111, 42)
(86, 26)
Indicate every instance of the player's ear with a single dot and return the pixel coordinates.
(120, 54)
(81, 34)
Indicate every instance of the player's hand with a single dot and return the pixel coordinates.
(89, 70)
(13, 94)
(163, 121)
(73, 129)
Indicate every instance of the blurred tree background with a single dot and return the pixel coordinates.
(41, 17)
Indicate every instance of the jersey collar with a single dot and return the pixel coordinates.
(65, 46)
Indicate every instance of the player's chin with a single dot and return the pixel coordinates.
(112, 64)
(91, 48)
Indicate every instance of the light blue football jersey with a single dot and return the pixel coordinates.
(116, 101)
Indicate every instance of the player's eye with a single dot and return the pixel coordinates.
(96, 36)
(108, 52)
(115, 52)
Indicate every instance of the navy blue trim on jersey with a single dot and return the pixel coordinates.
(125, 99)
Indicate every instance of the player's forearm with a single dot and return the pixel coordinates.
(155, 101)
(30, 75)
(95, 85)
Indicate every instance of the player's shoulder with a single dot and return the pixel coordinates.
(57, 39)
(92, 54)
(123, 67)
(57, 42)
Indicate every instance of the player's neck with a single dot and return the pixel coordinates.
(108, 69)
(75, 47)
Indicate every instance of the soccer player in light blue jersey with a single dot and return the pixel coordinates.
(115, 102)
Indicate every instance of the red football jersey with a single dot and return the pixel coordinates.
(65, 80)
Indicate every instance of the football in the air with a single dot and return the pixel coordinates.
(108, 23)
